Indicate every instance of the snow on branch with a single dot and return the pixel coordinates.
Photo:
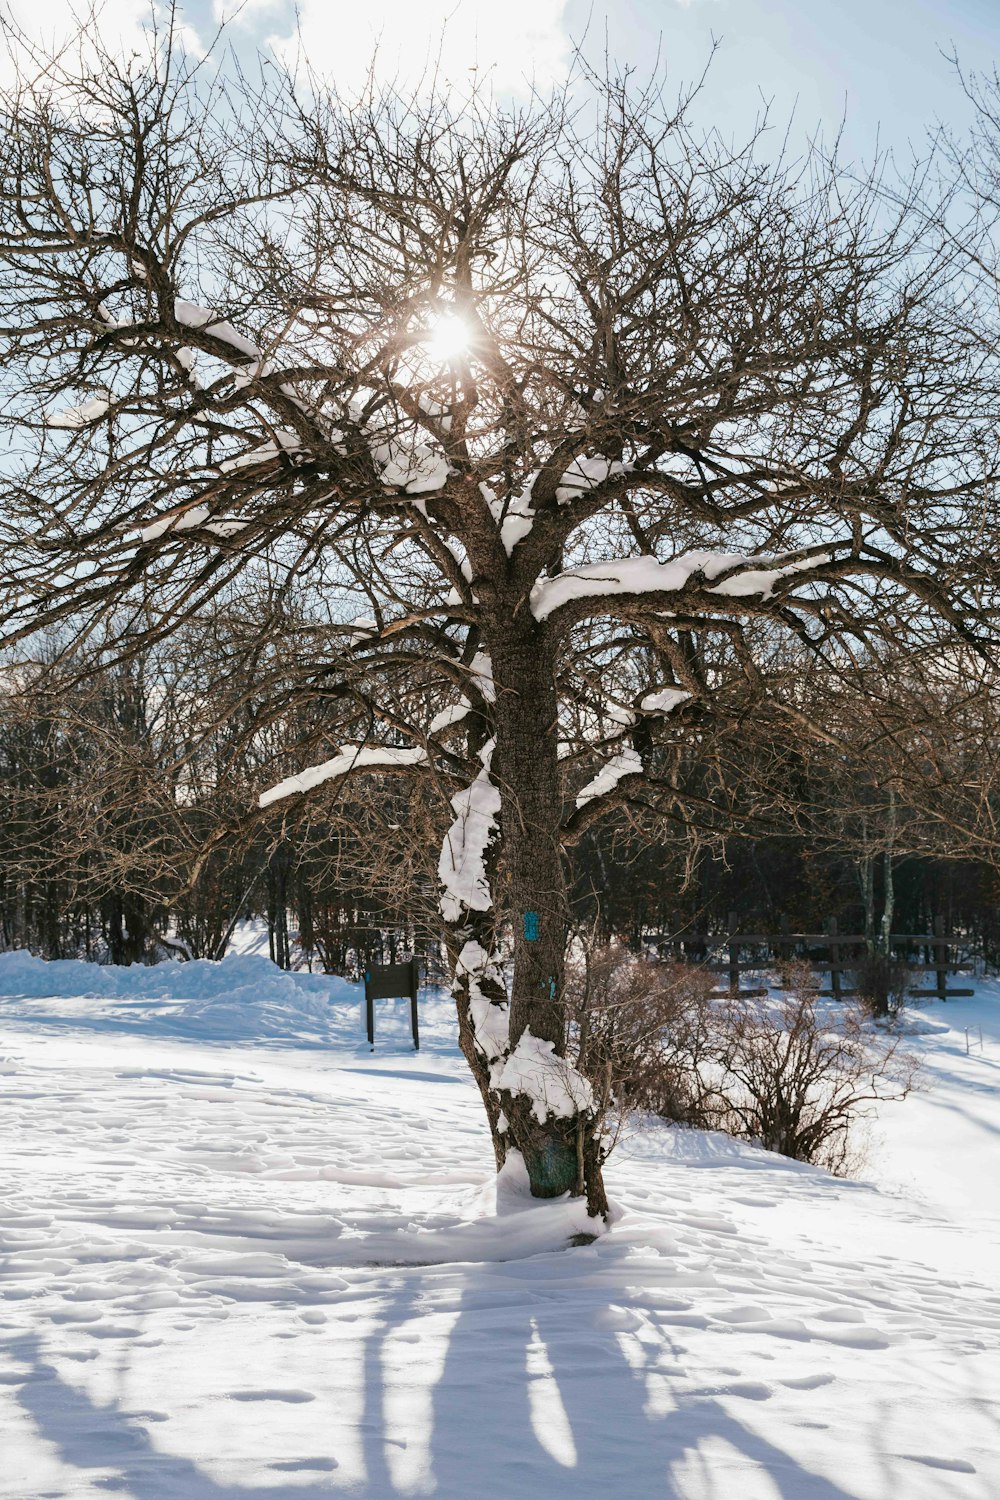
(663, 702)
(514, 517)
(462, 866)
(411, 466)
(196, 517)
(82, 415)
(364, 629)
(750, 575)
(480, 674)
(628, 763)
(490, 1018)
(351, 758)
(207, 320)
(282, 440)
(585, 474)
(450, 716)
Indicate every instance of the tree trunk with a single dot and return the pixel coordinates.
(480, 931)
(560, 1152)
(866, 879)
(888, 884)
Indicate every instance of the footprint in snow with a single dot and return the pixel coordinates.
(617, 1319)
(292, 1465)
(750, 1390)
(287, 1395)
(955, 1465)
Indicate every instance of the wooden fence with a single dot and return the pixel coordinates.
(828, 952)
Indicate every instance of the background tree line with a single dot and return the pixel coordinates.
(126, 832)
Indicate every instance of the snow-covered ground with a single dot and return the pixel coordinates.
(240, 1256)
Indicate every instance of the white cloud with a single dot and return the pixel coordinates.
(509, 44)
(50, 27)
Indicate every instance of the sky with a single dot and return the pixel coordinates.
(879, 64)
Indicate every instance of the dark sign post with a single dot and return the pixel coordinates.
(391, 982)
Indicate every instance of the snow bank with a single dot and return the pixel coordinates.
(211, 1271)
(237, 999)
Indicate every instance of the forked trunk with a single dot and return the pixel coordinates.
(470, 987)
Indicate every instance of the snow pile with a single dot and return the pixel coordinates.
(237, 999)
(351, 758)
(462, 866)
(551, 1083)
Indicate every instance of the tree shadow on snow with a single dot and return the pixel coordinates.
(534, 1400)
(111, 1449)
(524, 1387)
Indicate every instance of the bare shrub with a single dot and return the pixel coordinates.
(796, 1075)
(883, 984)
(643, 1032)
(789, 1073)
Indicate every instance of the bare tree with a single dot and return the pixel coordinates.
(572, 423)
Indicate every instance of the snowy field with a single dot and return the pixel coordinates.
(240, 1256)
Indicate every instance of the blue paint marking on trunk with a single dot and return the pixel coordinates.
(531, 927)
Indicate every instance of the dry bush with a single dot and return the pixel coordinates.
(789, 1074)
(643, 1034)
(883, 984)
(797, 1074)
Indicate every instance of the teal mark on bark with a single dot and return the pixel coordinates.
(531, 927)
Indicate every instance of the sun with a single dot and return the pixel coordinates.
(449, 337)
